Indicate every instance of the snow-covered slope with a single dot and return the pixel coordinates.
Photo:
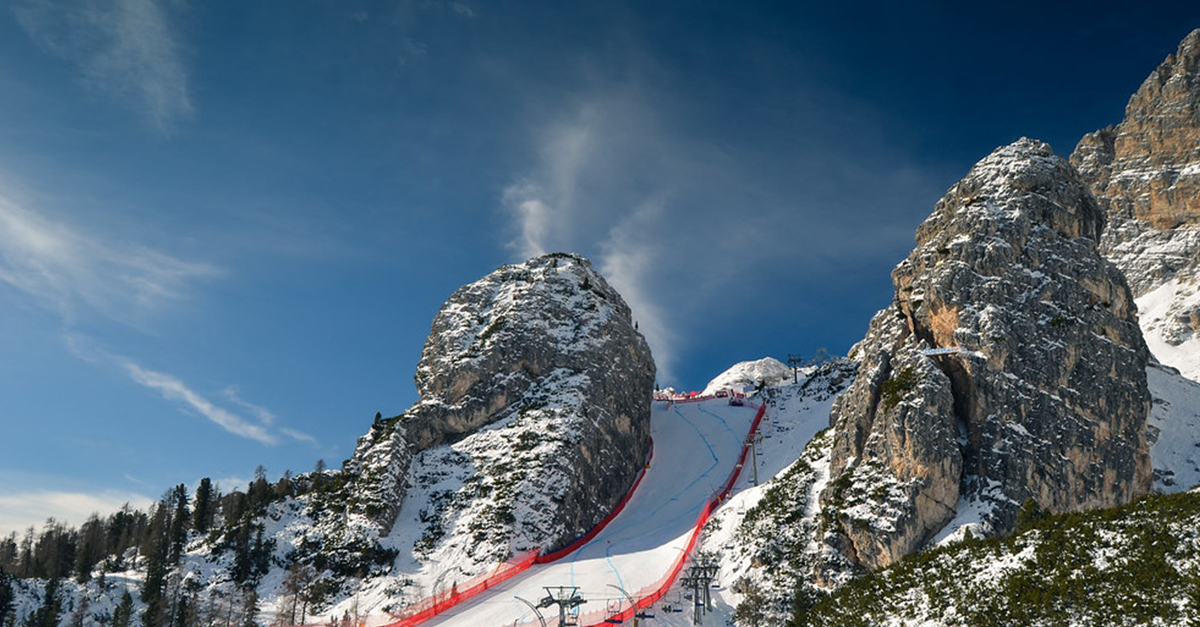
(1174, 429)
(696, 446)
(1170, 318)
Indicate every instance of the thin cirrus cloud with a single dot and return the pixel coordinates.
(76, 276)
(70, 273)
(127, 50)
(173, 389)
(249, 421)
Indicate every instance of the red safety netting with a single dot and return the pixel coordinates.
(432, 606)
(648, 595)
(587, 537)
(429, 607)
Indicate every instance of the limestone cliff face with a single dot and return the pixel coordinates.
(1047, 399)
(534, 416)
(1146, 172)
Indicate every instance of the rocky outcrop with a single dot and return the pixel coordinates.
(535, 394)
(1146, 172)
(1047, 398)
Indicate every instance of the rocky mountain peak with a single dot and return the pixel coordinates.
(496, 337)
(1046, 397)
(535, 398)
(1146, 172)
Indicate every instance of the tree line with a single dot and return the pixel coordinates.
(153, 542)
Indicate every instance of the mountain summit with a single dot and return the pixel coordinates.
(1045, 399)
(533, 422)
(1146, 172)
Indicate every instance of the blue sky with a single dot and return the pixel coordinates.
(225, 227)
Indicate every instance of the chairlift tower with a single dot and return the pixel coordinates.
(753, 441)
(699, 578)
(795, 361)
(565, 597)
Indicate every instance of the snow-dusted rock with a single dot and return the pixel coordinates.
(1047, 399)
(757, 373)
(1145, 171)
(535, 398)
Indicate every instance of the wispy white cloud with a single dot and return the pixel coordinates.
(173, 389)
(587, 193)
(264, 415)
(128, 50)
(75, 275)
(628, 262)
(20, 510)
(678, 217)
(463, 10)
(299, 436)
(256, 423)
(69, 272)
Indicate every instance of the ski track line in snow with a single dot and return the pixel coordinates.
(608, 549)
(652, 531)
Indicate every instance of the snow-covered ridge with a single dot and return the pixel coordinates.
(751, 374)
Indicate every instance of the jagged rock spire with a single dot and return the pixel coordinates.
(1047, 399)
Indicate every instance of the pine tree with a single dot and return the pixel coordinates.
(47, 615)
(250, 608)
(181, 520)
(6, 599)
(157, 548)
(1030, 514)
(8, 554)
(25, 556)
(90, 548)
(202, 512)
(124, 611)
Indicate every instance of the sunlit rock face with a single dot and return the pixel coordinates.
(535, 387)
(1145, 171)
(1047, 399)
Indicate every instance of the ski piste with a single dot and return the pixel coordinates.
(699, 447)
